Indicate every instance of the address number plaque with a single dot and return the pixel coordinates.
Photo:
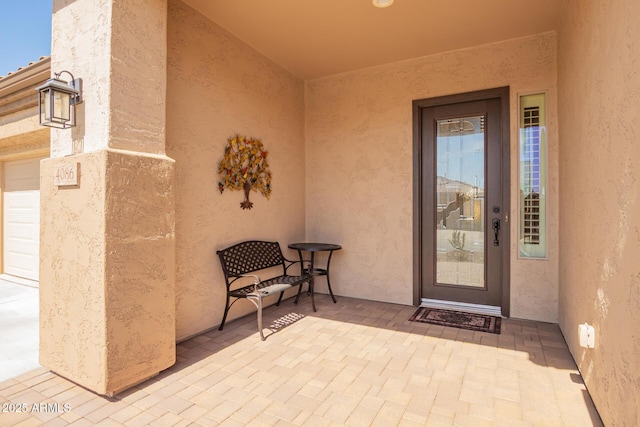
(66, 175)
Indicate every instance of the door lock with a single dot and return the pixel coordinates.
(496, 229)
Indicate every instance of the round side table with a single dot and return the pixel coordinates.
(312, 248)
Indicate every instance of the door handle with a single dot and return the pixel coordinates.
(496, 228)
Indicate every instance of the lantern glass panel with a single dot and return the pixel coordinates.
(45, 111)
(61, 106)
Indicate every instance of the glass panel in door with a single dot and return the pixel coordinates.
(460, 215)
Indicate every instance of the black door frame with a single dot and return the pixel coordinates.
(502, 94)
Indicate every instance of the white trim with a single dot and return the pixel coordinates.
(488, 310)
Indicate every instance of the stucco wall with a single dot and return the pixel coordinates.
(107, 258)
(217, 87)
(90, 39)
(107, 322)
(77, 350)
(20, 132)
(359, 165)
(22, 124)
(599, 51)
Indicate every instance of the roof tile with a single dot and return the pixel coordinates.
(26, 66)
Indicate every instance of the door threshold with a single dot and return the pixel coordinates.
(488, 310)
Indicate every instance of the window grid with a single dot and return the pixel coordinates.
(531, 175)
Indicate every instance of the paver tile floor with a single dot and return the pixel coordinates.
(354, 363)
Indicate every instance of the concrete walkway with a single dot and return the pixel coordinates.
(354, 363)
(19, 330)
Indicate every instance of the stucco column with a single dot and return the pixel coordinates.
(107, 268)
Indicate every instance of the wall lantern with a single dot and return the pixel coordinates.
(57, 101)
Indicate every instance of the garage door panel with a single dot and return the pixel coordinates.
(21, 263)
(22, 201)
(21, 225)
(21, 240)
(25, 226)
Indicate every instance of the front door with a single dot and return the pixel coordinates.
(463, 212)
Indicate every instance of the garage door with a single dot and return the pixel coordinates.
(21, 225)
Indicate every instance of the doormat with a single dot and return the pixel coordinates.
(457, 319)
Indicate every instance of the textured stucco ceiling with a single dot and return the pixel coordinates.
(313, 39)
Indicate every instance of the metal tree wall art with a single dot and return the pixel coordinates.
(245, 167)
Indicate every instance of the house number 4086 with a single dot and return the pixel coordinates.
(66, 175)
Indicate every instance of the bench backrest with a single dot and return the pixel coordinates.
(250, 256)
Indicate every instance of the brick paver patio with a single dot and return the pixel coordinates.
(354, 363)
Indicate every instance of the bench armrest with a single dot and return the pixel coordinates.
(256, 280)
(270, 290)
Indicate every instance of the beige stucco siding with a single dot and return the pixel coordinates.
(217, 87)
(20, 133)
(359, 165)
(599, 47)
(107, 258)
(107, 324)
(80, 334)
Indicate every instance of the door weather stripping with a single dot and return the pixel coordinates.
(488, 310)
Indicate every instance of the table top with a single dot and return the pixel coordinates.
(315, 247)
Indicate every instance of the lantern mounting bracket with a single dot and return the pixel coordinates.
(73, 83)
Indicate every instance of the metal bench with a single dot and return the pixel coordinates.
(240, 260)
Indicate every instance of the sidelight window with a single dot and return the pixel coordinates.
(533, 176)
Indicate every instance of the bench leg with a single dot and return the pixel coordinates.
(224, 317)
(260, 318)
(257, 301)
(280, 298)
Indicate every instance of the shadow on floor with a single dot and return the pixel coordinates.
(353, 363)
(528, 364)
